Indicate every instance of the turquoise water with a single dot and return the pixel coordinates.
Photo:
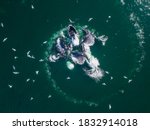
(27, 29)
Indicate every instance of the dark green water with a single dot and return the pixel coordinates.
(126, 54)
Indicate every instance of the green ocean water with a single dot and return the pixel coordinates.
(27, 27)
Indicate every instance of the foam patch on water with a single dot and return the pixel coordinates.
(122, 2)
(67, 96)
(143, 6)
(140, 36)
(139, 56)
(70, 65)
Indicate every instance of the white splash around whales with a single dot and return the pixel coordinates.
(74, 46)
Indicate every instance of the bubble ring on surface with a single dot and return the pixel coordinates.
(140, 55)
(55, 86)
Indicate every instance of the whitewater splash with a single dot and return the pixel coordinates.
(74, 45)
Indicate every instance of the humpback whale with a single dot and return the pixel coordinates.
(60, 45)
(73, 35)
(88, 39)
(73, 45)
(78, 57)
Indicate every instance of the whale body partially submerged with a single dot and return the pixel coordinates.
(89, 38)
(75, 49)
(73, 35)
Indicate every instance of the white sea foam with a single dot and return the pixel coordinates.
(122, 2)
(140, 36)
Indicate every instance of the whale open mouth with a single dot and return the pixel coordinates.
(71, 30)
(77, 51)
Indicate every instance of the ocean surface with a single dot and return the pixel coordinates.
(30, 83)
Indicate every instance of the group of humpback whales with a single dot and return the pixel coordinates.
(74, 47)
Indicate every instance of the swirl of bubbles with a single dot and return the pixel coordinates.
(100, 92)
(142, 7)
(94, 76)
